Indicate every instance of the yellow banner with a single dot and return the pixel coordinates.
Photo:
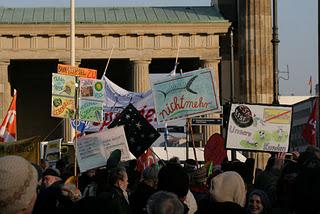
(27, 148)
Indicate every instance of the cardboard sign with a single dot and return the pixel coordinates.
(76, 71)
(63, 85)
(187, 95)
(259, 128)
(63, 94)
(52, 154)
(90, 110)
(92, 89)
(93, 150)
(92, 96)
(63, 107)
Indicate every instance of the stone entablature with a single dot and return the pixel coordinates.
(52, 41)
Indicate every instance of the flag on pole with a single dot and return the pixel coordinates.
(310, 85)
(8, 126)
(309, 130)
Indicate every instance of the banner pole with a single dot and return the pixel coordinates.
(76, 121)
(105, 69)
(193, 145)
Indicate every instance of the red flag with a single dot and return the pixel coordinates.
(145, 160)
(8, 126)
(309, 130)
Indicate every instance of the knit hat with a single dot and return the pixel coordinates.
(200, 175)
(52, 172)
(228, 186)
(18, 184)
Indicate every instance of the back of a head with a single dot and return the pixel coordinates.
(173, 178)
(18, 184)
(228, 186)
(116, 174)
(163, 202)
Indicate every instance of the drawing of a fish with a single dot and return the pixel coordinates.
(180, 87)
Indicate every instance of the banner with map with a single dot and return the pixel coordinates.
(259, 128)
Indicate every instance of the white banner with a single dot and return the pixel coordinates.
(93, 150)
(117, 99)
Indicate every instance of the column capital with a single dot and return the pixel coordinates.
(67, 61)
(211, 60)
(140, 61)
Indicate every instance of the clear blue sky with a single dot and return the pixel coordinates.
(298, 33)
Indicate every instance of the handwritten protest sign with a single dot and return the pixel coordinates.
(76, 71)
(182, 96)
(93, 150)
(63, 94)
(90, 110)
(92, 96)
(259, 127)
(62, 107)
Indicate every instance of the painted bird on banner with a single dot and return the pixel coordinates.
(140, 133)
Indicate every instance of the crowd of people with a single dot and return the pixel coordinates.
(168, 187)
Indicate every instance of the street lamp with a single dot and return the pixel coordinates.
(275, 43)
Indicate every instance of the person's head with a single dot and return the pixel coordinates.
(44, 164)
(50, 176)
(173, 178)
(118, 177)
(18, 185)
(258, 202)
(150, 175)
(228, 186)
(163, 202)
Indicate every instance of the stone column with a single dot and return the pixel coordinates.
(255, 32)
(210, 130)
(255, 48)
(141, 75)
(5, 89)
(68, 133)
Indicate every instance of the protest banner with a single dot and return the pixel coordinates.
(27, 148)
(63, 95)
(259, 127)
(93, 150)
(183, 96)
(92, 96)
(76, 71)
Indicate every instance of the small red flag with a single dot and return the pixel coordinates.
(145, 160)
(8, 126)
(309, 130)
